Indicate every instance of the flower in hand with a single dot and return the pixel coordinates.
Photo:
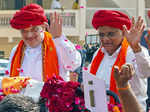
(124, 75)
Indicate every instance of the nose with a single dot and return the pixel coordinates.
(29, 34)
(105, 39)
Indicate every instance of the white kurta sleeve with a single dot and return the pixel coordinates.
(70, 57)
(143, 63)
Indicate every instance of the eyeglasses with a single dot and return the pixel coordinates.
(108, 34)
(33, 30)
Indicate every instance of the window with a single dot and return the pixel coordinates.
(19, 3)
(2, 54)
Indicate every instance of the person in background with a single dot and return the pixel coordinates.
(145, 41)
(77, 75)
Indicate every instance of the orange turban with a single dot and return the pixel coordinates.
(27, 16)
(110, 18)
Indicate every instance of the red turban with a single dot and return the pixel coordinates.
(148, 13)
(110, 18)
(29, 15)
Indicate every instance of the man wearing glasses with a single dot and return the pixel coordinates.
(120, 44)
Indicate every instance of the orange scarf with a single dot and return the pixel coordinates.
(121, 59)
(49, 60)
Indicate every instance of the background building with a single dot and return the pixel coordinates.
(76, 22)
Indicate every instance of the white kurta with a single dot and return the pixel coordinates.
(141, 62)
(68, 58)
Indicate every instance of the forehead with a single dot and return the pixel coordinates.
(107, 29)
(27, 29)
(30, 28)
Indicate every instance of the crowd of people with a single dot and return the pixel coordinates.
(44, 51)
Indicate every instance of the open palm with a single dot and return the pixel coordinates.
(55, 27)
(134, 34)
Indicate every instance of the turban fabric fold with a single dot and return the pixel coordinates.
(111, 18)
(30, 15)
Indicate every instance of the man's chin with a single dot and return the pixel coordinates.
(108, 48)
(32, 45)
(109, 51)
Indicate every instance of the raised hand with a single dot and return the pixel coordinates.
(55, 27)
(124, 75)
(134, 34)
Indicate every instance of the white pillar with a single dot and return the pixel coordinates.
(82, 17)
(141, 9)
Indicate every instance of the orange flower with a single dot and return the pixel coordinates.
(13, 85)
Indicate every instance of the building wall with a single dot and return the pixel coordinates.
(147, 3)
(67, 4)
(47, 4)
(126, 3)
(101, 4)
(7, 4)
(11, 4)
(6, 46)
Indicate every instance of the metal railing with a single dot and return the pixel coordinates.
(69, 17)
(4, 19)
(92, 39)
(70, 22)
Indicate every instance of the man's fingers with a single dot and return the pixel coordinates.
(124, 70)
(125, 30)
(55, 16)
(116, 72)
(47, 26)
(61, 21)
(138, 22)
(133, 22)
(142, 28)
(56, 25)
(51, 17)
(131, 71)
